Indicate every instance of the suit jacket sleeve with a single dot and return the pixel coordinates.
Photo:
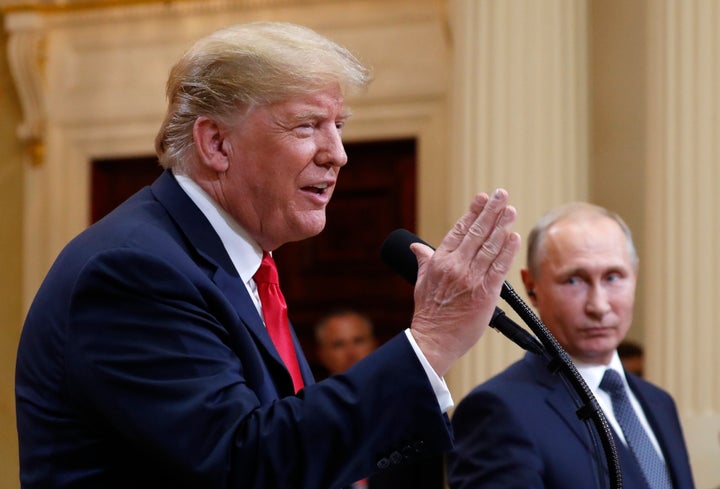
(159, 358)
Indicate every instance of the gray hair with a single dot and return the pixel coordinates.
(535, 245)
(243, 66)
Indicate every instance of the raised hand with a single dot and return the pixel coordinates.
(459, 284)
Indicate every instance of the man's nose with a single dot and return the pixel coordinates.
(331, 151)
(598, 303)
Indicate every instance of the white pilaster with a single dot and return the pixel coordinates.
(682, 259)
(519, 120)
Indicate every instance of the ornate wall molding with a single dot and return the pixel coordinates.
(520, 121)
(27, 59)
(682, 264)
(55, 6)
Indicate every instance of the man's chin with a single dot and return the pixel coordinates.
(308, 230)
(314, 224)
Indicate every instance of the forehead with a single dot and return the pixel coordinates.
(346, 324)
(587, 242)
(328, 102)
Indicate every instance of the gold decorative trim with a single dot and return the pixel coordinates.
(8, 6)
(74, 6)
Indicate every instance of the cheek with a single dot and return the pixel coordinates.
(565, 302)
(272, 166)
(564, 314)
(624, 313)
(623, 301)
(294, 157)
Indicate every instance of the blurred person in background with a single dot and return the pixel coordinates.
(343, 337)
(632, 357)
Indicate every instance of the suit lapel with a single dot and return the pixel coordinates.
(564, 404)
(662, 420)
(559, 399)
(235, 291)
(200, 235)
(203, 239)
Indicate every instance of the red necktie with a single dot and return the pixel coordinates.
(275, 313)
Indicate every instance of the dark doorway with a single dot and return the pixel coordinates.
(339, 268)
(114, 180)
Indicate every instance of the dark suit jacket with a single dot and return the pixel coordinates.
(427, 473)
(143, 363)
(520, 430)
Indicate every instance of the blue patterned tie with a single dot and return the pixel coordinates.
(652, 465)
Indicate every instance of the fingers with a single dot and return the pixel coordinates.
(500, 266)
(493, 241)
(457, 286)
(456, 235)
(475, 227)
(480, 247)
(486, 233)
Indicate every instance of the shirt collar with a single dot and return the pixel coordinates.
(244, 252)
(593, 374)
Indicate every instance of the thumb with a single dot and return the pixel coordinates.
(422, 253)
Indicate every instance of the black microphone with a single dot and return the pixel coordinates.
(396, 253)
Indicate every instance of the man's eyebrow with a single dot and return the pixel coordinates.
(317, 114)
(571, 271)
(581, 271)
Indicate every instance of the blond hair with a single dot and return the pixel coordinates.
(245, 65)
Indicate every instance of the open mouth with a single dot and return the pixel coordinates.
(319, 189)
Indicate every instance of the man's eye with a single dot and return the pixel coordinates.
(304, 129)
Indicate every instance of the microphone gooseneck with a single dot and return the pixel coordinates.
(396, 253)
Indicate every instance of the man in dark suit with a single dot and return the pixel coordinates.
(520, 428)
(144, 360)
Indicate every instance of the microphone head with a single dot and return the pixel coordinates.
(396, 253)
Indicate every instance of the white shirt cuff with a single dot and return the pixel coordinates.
(442, 393)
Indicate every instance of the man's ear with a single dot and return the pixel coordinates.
(210, 143)
(529, 282)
